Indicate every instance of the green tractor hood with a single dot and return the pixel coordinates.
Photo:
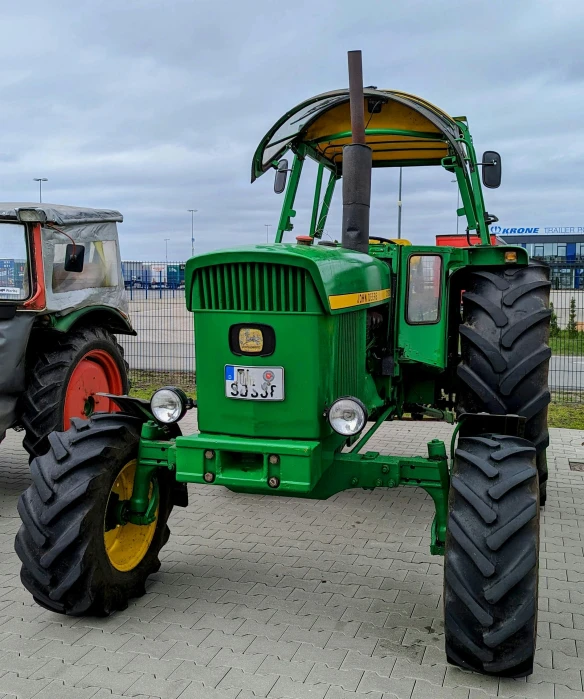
(246, 278)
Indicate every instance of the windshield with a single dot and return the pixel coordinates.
(14, 277)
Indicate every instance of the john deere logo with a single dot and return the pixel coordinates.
(251, 340)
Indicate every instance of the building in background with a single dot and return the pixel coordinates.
(562, 247)
(563, 251)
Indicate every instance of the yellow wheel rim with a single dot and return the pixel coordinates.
(127, 544)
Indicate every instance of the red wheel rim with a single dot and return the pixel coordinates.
(97, 372)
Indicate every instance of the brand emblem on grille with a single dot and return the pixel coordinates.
(251, 340)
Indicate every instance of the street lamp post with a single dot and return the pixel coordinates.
(40, 180)
(399, 204)
(268, 226)
(193, 212)
(166, 245)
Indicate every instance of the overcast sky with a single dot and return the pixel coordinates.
(154, 108)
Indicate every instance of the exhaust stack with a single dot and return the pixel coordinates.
(356, 166)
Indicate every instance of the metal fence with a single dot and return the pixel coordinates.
(163, 352)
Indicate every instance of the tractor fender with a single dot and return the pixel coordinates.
(104, 316)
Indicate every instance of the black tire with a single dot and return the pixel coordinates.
(491, 556)
(505, 353)
(42, 404)
(61, 539)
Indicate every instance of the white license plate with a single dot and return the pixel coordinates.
(254, 382)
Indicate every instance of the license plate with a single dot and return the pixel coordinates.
(254, 382)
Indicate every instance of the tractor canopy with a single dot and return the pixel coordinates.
(401, 130)
(88, 235)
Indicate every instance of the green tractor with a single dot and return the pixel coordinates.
(61, 301)
(303, 351)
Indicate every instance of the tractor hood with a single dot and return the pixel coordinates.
(402, 130)
(343, 279)
(14, 335)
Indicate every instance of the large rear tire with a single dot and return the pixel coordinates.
(75, 560)
(64, 380)
(491, 556)
(505, 354)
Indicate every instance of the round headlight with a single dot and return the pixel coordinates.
(168, 404)
(347, 416)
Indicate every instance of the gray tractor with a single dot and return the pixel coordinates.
(62, 301)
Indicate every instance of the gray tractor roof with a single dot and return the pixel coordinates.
(61, 215)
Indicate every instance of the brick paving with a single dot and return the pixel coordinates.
(284, 598)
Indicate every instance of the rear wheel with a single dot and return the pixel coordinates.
(505, 355)
(76, 558)
(64, 382)
(491, 556)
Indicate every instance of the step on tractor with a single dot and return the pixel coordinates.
(61, 301)
(303, 350)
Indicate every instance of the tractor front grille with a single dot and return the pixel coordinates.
(251, 286)
(349, 373)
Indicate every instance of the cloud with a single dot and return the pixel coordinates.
(154, 108)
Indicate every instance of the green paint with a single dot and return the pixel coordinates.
(316, 202)
(288, 212)
(108, 317)
(326, 205)
(332, 271)
(388, 351)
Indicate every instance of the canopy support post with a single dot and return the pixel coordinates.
(316, 202)
(326, 205)
(285, 224)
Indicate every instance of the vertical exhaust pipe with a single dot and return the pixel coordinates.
(357, 163)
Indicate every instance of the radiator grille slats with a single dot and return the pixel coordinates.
(347, 378)
(253, 286)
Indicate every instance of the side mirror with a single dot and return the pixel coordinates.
(74, 255)
(491, 169)
(281, 176)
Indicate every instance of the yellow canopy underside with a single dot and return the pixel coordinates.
(393, 115)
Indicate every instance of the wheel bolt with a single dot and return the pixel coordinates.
(378, 483)
(274, 459)
(209, 477)
(209, 454)
(273, 482)
(385, 469)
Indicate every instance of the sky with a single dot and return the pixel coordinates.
(154, 108)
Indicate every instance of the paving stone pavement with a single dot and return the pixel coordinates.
(285, 598)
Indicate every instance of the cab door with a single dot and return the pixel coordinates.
(422, 306)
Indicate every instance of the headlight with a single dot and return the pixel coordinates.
(347, 416)
(168, 404)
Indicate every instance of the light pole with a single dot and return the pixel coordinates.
(166, 244)
(193, 212)
(268, 226)
(399, 204)
(40, 180)
(457, 204)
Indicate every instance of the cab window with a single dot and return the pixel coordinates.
(14, 278)
(100, 268)
(424, 284)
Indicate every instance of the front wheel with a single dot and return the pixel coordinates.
(491, 556)
(75, 558)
